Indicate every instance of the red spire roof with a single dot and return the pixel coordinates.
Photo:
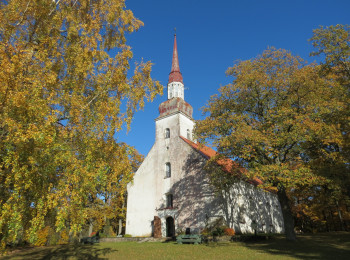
(175, 74)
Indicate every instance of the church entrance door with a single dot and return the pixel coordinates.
(157, 225)
(170, 227)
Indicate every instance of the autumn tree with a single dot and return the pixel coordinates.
(332, 160)
(274, 106)
(320, 208)
(62, 100)
(107, 207)
(333, 44)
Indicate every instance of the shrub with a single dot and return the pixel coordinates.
(229, 232)
(205, 232)
(108, 231)
(64, 237)
(180, 232)
(219, 231)
(127, 235)
(42, 236)
(53, 237)
(103, 235)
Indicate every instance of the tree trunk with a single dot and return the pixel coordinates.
(91, 227)
(287, 214)
(340, 217)
(120, 224)
(326, 220)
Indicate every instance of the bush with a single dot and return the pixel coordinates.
(108, 231)
(64, 237)
(103, 235)
(229, 232)
(205, 232)
(127, 235)
(42, 236)
(53, 237)
(219, 231)
(180, 232)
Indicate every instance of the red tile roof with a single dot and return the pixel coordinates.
(226, 163)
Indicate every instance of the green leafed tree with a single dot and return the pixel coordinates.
(266, 118)
(62, 100)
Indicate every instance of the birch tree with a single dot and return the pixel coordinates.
(63, 98)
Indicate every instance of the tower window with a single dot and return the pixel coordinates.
(167, 133)
(169, 200)
(168, 170)
(188, 134)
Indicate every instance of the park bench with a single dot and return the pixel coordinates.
(196, 239)
(90, 240)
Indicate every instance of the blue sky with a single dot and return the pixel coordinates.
(211, 35)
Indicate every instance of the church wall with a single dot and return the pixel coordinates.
(141, 198)
(249, 207)
(186, 123)
(197, 204)
(193, 195)
(147, 196)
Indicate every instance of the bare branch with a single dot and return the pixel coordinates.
(19, 22)
(53, 9)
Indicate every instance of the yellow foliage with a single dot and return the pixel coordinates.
(63, 98)
(273, 110)
(64, 237)
(42, 236)
(285, 121)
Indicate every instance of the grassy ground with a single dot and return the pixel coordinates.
(318, 246)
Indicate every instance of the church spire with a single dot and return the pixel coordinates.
(175, 84)
(175, 74)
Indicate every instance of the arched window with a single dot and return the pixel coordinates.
(168, 170)
(188, 134)
(169, 200)
(167, 133)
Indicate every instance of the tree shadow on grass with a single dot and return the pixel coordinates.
(70, 251)
(316, 246)
(218, 244)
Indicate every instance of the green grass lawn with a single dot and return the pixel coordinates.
(317, 246)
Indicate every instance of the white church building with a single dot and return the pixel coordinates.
(171, 190)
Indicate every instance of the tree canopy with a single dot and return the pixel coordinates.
(268, 118)
(333, 161)
(62, 100)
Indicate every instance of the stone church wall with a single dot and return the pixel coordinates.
(244, 208)
(141, 190)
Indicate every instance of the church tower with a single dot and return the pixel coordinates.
(175, 108)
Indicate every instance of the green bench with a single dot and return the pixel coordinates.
(196, 239)
(90, 240)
